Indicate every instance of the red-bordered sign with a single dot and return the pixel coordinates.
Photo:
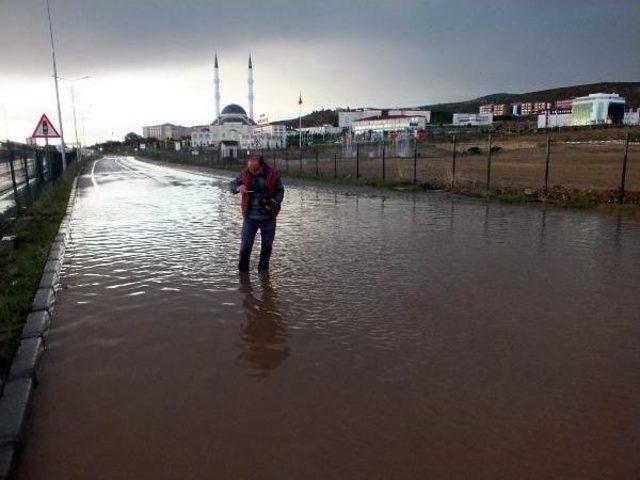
(45, 129)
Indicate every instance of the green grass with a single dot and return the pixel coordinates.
(352, 180)
(582, 201)
(21, 267)
(511, 198)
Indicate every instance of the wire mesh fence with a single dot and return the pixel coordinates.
(478, 164)
(25, 170)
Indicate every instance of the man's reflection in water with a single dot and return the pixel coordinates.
(263, 343)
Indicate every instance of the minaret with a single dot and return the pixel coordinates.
(216, 82)
(250, 89)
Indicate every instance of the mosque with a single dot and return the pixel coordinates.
(232, 128)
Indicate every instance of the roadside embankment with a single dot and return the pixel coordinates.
(23, 257)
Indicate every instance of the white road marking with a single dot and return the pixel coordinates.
(93, 174)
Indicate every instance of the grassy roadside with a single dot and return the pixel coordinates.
(21, 267)
(602, 202)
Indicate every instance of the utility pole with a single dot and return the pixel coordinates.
(84, 137)
(73, 106)
(55, 78)
(75, 126)
(300, 121)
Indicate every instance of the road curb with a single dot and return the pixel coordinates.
(37, 325)
(17, 392)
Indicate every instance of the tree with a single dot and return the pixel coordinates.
(132, 139)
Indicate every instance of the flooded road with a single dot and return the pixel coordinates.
(396, 337)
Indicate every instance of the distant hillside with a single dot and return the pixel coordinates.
(443, 111)
(313, 119)
(629, 90)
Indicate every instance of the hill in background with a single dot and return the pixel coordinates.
(442, 112)
(629, 90)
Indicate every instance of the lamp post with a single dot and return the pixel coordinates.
(55, 78)
(73, 106)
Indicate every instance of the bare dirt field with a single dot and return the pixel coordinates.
(596, 167)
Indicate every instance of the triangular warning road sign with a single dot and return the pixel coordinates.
(45, 129)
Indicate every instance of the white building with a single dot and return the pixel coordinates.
(554, 119)
(166, 131)
(269, 135)
(201, 136)
(346, 118)
(472, 119)
(389, 123)
(413, 113)
(597, 108)
(232, 128)
(321, 130)
(233, 124)
(632, 117)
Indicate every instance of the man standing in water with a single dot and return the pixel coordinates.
(262, 193)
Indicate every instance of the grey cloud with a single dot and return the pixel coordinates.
(436, 50)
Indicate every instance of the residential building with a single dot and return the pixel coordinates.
(563, 104)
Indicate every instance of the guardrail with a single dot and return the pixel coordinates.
(25, 170)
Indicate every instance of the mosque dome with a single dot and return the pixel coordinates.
(233, 114)
(233, 109)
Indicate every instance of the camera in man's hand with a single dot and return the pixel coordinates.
(268, 204)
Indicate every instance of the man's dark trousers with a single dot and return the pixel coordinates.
(267, 233)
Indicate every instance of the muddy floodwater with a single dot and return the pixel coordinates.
(396, 337)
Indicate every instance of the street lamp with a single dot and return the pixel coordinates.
(73, 106)
(55, 78)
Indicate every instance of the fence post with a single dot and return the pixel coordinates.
(489, 164)
(25, 165)
(49, 163)
(546, 168)
(415, 161)
(39, 167)
(317, 167)
(13, 180)
(623, 180)
(357, 160)
(335, 165)
(286, 161)
(384, 161)
(453, 163)
(300, 161)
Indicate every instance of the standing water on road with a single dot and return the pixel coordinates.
(396, 336)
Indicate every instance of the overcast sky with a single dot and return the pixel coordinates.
(151, 61)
